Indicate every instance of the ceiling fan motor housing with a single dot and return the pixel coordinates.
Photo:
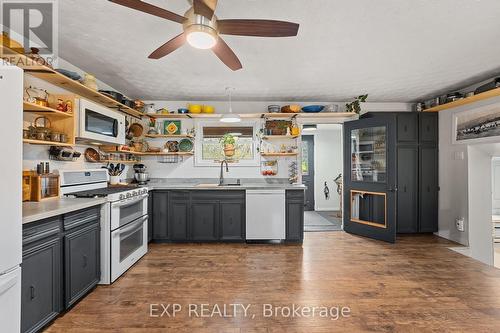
(199, 24)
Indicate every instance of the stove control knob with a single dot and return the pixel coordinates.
(122, 196)
(144, 191)
(128, 195)
(134, 193)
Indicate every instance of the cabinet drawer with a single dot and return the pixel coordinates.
(295, 194)
(178, 195)
(40, 230)
(82, 217)
(217, 195)
(407, 127)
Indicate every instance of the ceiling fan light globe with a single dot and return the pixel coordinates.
(201, 37)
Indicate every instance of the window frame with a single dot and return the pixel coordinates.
(216, 123)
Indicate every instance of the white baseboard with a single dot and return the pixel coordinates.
(326, 209)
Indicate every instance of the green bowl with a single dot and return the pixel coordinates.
(185, 145)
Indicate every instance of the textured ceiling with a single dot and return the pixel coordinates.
(395, 50)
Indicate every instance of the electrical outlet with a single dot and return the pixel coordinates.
(459, 223)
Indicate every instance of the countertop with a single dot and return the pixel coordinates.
(35, 211)
(210, 184)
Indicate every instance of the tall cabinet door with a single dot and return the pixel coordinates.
(428, 189)
(370, 177)
(159, 218)
(407, 211)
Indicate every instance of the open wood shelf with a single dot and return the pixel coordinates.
(325, 115)
(280, 137)
(476, 98)
(169, 136)
(278, 154)
(47, 143)
(44, 110)
(50, 75)
(190, 153)
(114, 161)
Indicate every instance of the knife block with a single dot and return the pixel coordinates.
(44, 186)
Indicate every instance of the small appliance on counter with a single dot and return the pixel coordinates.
(140, 175)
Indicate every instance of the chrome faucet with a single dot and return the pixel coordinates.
(221, 179)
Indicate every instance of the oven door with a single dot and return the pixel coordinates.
(128, 244)
(128, 210)
(101, 124)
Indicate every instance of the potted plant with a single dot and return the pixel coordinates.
(355, 106)
(152, 127)
(228, 142)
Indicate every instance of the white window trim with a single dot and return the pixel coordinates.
(198, 161)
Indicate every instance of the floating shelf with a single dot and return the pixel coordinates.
(280, 137)
(168, 136)
(278, 154)
(113, 161)
(44, 110)
(325, 115)
(48, 74)
(190, 153)
(46, 143)
(476, 98)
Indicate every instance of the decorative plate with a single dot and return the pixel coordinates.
(185, 145)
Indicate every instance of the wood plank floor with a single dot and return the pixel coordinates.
(416, 285)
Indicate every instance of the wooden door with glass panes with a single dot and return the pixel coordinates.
(370, 177)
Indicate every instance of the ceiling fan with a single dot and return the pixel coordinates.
(202, 29)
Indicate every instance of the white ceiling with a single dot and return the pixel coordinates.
(395, 50)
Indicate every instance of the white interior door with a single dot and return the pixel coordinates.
(495, 186)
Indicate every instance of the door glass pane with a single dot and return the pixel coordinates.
(99, 123)
(130, 242)
(368, 154)
(368, 208)
(305, 158)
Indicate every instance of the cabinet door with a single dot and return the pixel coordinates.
(81, 264)
(41, 289)
(159, 218)
(407, 127)
(407, 212)
(204, 220)
(150, 215)
(178, 216)
(295, 220)
(428, 127)
(232, 221)
(428, 189)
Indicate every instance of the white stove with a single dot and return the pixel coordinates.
(124, 218)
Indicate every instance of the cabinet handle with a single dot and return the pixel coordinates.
(404, 188)
(85, 261)
(428, 188)
(32, 292)
(406, 128)
(230, 220)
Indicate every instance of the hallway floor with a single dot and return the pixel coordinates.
(322, 221)
(415, 285)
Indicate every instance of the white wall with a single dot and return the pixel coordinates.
(328, 164)
(460, 168)
(495, 185)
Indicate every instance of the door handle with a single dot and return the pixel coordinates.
(85, 261)
(32, 292)
(392, 189)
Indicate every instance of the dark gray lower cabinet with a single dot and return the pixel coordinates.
(82, 263)
(294, 215)
(232, 220)
(41, 289)
(54, 274)
(204, 220)
(198, 215)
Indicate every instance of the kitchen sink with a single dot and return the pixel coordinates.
(217, 185)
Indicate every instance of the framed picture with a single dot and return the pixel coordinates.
(478, 125)
(172, 127)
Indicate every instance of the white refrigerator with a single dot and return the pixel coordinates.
(11, 164)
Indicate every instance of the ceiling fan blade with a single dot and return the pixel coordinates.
(150, 9)
(258, 28)
(226, 55)
(168, 47)
(205, 8)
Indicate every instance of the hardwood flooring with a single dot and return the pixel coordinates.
(416, 285)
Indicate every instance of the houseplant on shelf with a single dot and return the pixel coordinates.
(355, 105)
(228, 143)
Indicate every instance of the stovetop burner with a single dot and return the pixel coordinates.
(101, 192)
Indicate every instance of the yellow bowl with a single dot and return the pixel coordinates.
(207, 109)
(194, 108)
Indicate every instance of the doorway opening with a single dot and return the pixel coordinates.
(321, 166)
(495, 205)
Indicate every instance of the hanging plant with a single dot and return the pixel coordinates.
(228, 141)
(355, 105)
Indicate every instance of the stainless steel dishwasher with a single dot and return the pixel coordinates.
(265, 214)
